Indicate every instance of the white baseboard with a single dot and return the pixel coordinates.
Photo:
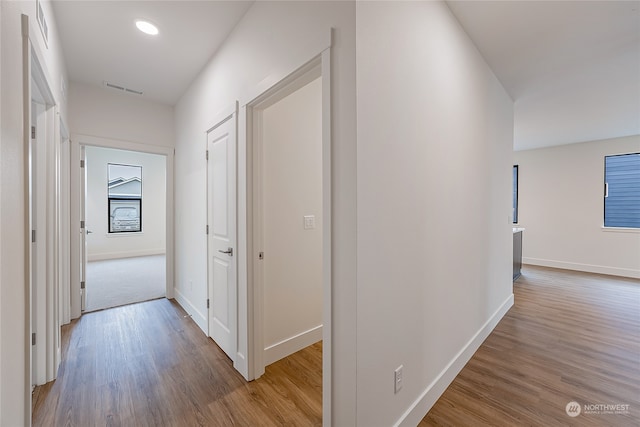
(196, 315)
(242, 365)
(286, 347)
(588, 268)
(125, 254)
(432, 393)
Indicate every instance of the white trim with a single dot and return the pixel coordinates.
(129, 254)
(194, 313)
(621, 229)
(119, 144)
(288, 346)
(222, 116)
(322, 44)
(80, 140)
(306, 73)
(432, 393)
(327, 229)
(588, 268)
(248, 149)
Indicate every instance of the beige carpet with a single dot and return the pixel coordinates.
(123, 281)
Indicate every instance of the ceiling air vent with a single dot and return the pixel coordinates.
(122, 88)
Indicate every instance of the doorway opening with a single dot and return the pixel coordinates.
(125, 227)
(91, 218)
(289, 222)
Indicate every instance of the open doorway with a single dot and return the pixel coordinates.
(291, 177)
(125, 226)
(289, 239)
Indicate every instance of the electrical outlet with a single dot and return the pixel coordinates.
(397, 379)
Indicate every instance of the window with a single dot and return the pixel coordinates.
(515, 194)
(125, 198)
(622, 191)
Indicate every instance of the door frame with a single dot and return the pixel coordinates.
(79, 140)
(229, 114)
(42, 298)
(318, 66)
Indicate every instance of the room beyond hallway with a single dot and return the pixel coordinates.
(115, 282)
(149, 364)
(570, 337)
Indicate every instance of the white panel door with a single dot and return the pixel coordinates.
(222, 268)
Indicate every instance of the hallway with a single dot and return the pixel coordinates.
(148, 364)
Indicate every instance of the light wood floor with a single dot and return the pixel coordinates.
(570, 336)
(148, 365)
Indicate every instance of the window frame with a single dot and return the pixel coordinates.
(123, 199)
(605, 195)
(515, 192)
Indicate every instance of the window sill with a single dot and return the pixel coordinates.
(620, 229)
(124, 234)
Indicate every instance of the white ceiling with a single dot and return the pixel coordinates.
(101, 43)
(571, 67)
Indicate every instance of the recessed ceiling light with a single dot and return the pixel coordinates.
(146, 27)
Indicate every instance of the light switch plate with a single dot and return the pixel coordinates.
(309, 222)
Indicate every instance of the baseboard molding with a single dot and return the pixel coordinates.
(432, 393)
(127, 254)
(588, 268)
(196, 315)
(284, 348)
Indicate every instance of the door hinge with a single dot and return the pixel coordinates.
(206, 154)
(33, 132)
(82, 285)
(33, 236)
(81, 163)
(207, 229)
(207, 302)
(81, 224)
(33, 338)
(260, 255)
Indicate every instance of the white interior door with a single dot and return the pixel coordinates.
(222, 266)
(83, 229)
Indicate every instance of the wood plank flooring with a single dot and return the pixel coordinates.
(148, 365)
(570, 336)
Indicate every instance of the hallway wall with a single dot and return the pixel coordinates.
(435, 138)
(15, 388)
(96, 111)
(253, 57)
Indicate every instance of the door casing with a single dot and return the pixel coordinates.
(251, 189)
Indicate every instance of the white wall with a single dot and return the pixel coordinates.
(15, 389)
(97, 111)
(292, 185)
(271, 41)
(561, 206)
(435, 137)
(151, 241)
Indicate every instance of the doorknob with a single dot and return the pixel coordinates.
(89, 231)
(229, 251)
